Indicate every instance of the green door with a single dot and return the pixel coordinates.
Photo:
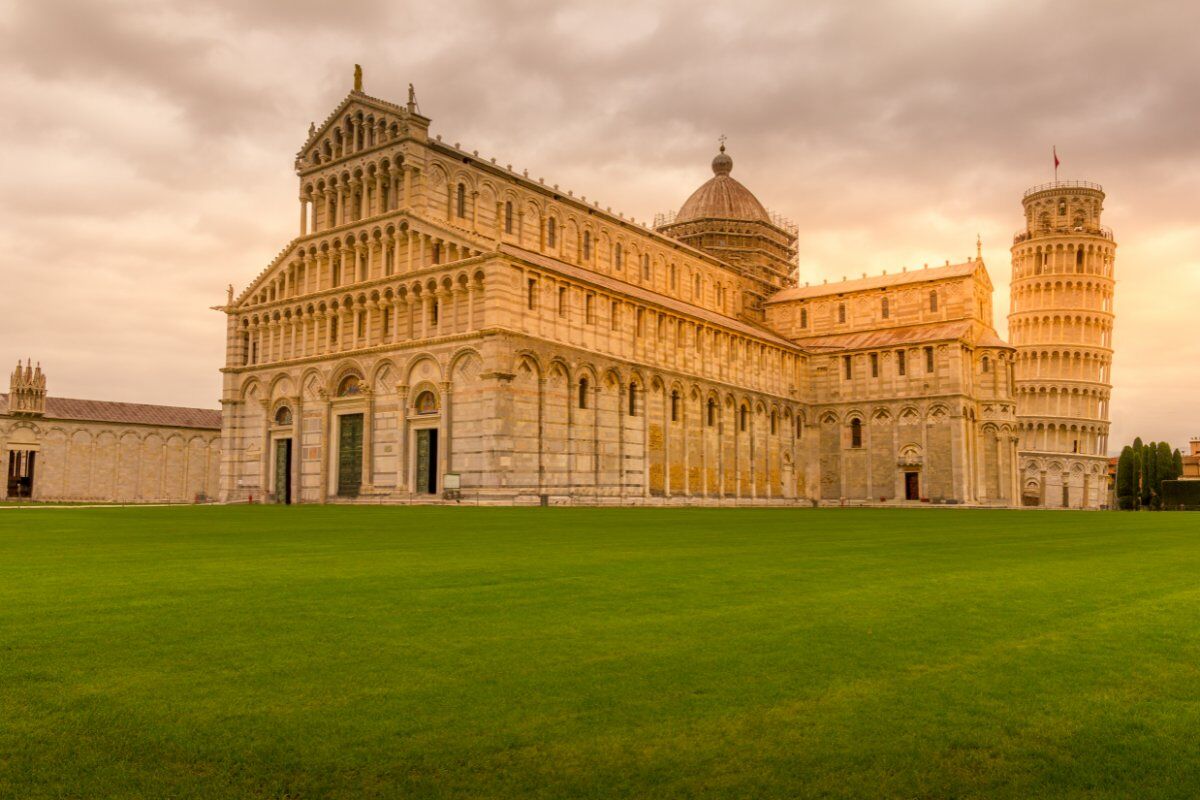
(283, 471)
(350, 448)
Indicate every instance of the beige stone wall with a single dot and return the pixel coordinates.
(101, 462)
(911, 303)
(519, 418)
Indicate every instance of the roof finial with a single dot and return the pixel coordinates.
(722, 164)
(412, 100)
(357, 78)
(978, 248)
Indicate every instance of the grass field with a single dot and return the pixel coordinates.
(266, 652)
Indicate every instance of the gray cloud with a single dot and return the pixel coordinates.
(148, 147)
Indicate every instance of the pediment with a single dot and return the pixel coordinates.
(386, 122)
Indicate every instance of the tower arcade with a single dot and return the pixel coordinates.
(1061, 323)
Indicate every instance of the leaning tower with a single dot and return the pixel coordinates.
(1061, 323)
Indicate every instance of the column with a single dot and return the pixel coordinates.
(402, 479)
(303, 216)
(368, 439)
(297, 445)
(444, 457)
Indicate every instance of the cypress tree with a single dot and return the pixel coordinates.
(1176, 465)
(1147, 477)
(1127, 479)
(1165, 466)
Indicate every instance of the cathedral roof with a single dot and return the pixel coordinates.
(722, 197)
(877, 282)
(908, 335)
(126, 413)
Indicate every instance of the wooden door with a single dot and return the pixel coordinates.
(912, 486)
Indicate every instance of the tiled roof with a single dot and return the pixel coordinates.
(621, 287)
(127, 413)
(722, 197)
(909, 334)
(875, 282)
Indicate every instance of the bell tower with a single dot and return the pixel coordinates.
(1061, 323)
(27, 391)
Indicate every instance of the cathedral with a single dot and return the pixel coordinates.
(444, 327)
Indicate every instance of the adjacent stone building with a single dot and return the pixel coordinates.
(442, 321)
(67, 450)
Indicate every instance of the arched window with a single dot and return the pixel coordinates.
(583, 392)
(884, 308)
(799, 427)
(283, 416)
(674, 406)
(646, 266)
(697, 288)
(426, 403)
(712, 412)
(587, 245)
(350, 386)
(1079, 260)
(841, 312)
(772, 423)
(856, 432)
(673, 282)
(987, 366)
(633, 399)
(743, 418)
(933, 300)
(508, 217)
(804, 318)
(551, 232)
(617, 256)
(460, 203)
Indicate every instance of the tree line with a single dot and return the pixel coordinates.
(1141, 470)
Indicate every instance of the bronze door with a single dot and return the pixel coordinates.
(350, 451)
(427, 461)
(283, 471)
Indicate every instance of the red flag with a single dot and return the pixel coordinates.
(1056, 161)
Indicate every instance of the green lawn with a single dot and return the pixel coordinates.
(298, 653)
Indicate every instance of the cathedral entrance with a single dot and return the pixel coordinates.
(20, 473)
(283, 471)
(912, 486)
(350, 454)
(427, 461)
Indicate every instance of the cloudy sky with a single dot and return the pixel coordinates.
(146, 148)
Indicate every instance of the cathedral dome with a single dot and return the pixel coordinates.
(722, 197)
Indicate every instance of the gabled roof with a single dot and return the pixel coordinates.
(963, 329)
(880, 281)
(126, 413)
(366, 100)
